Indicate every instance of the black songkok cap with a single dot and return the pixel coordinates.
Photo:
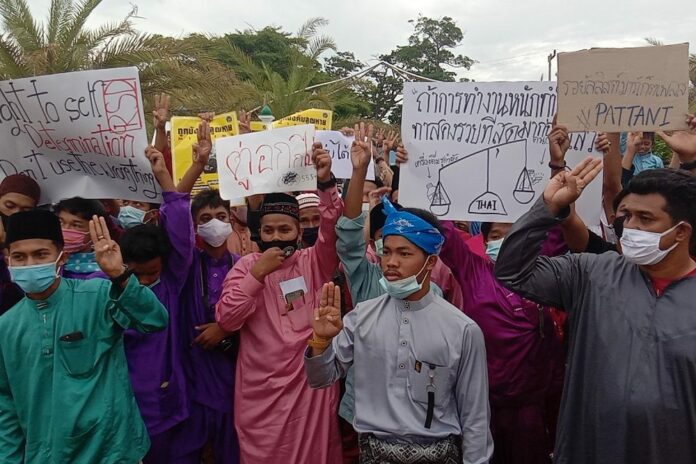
(280, 203)
(35, 223)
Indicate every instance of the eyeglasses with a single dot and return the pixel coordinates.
(618, 225)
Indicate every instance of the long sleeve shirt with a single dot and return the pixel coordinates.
(522, 347)
(155, 360)
(70, 401)
(395, 346)
(279, 419)
(631, 376)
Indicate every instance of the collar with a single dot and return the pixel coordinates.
(51, 301)
(407, 305)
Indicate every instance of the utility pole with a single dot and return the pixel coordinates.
(551, 57)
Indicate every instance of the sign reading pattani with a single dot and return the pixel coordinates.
(624, 89)
(185, 134)
(478, 151)
(278, 160)
(78, 134)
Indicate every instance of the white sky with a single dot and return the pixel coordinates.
(510, 39)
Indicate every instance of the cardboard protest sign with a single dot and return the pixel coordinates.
(624, 89)
(320, 119)
(479, 151)
(278, 160)
(338, 146)
(185, 134)
(78, 134)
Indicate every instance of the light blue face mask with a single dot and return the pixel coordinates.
(35, 278)
(402, 289)
(130, 216)
(493, 248)
(379, 247)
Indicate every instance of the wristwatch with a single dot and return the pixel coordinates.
(328, 184)
(127, 272)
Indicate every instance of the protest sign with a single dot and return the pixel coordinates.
(479, 151)
(78, 134)
(321, 119)
(624, 89)
(278, 160)
(338, 146)
(185, 134)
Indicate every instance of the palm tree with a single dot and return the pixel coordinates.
(62, 43)
(286, 94)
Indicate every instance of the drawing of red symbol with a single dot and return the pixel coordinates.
(122, 105)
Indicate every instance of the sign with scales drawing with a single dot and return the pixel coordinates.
(479, 151)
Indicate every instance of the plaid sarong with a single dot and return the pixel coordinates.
(376, 451)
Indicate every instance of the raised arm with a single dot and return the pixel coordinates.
(520, 266)
(176, 220)
(160, 116)
(609, 144)
(201, 154)
(472, 398)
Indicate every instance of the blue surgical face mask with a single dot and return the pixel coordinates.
(130, 216)
(402, 289)
(379, 247)
(493, 248)
(36, 278)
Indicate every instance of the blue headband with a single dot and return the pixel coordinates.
(412, 228)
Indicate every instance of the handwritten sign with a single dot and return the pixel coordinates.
(338, 146)
(77, 134)
(479, 151)
(624, 89)
(320, 119)
(279, 160)
(185, 134)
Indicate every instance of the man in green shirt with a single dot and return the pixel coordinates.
(65, 395)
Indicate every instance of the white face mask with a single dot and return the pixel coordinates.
(643, 248)
(215, 232)
(366, 208)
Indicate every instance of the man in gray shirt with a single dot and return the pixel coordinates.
(421, 386)
(630, 387)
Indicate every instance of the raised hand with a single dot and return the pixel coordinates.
(376, 195)
(160, 114)
(107, 251)
(207, 116)
(389, 142)
(567, 186)
(634, 141)
(361, 149)
(559, 142)
(156, 159)
(327, 321)
(347, 131)
(244, 122)
(602, 143)
(683, 143)
(269, 261)
(322, 161)
(401, 155)
(203, 145)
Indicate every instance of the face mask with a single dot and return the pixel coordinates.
(366, 208)
(310, 235)
(215, 232)
(130, 216)
(36, 278)
(402, 289)
(379, 247)
(282, 244)
(643, 248)
(74, 240)
(493, 248)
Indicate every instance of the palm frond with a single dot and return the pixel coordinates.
(310, 27)
(653, 41)
(12, 64)
(58, 18)
(319, 45)
(76, 22)
(20, 24)
(246, 65)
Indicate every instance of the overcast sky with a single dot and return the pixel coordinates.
(509, 39)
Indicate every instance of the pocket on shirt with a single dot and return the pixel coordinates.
(419, 382)
(77, 357)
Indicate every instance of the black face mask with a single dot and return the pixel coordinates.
(310, 235)
(282, 244)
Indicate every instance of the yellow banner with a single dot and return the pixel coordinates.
(321, 119)
(184, 130)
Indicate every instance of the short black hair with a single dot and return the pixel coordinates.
(81, 207)
(208, 198)
(427, 216)
(677, 187)
(144, 243)
(618, 199)
(486, 229)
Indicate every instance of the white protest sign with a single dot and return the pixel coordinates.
(338, 146)
(624, 89)
(278, 160)
(479, 151)
(77, 134)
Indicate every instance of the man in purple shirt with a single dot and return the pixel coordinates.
(210, 353)
(160, 257)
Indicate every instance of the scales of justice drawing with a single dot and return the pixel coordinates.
(488, 202)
